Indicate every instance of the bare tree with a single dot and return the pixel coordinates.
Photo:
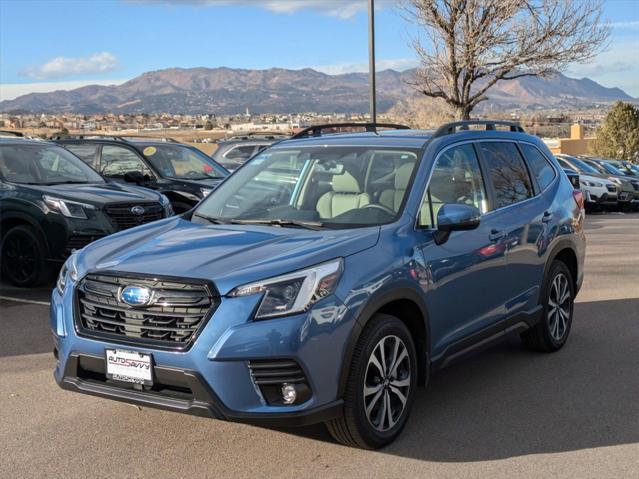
(473, 44)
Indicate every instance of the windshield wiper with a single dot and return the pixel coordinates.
(310, 225)
(68, 182)
(212, 220)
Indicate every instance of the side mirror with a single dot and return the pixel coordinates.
(134, 177)
(455, 217)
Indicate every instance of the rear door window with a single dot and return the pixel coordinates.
(117, 161)
(240, 153)
(507, 171)
(539, 165)
(86, 153)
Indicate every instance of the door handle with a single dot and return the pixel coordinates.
(547, 217)
(496, 235)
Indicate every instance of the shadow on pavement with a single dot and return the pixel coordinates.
(508, 402)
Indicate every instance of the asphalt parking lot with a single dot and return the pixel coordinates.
(503, 413)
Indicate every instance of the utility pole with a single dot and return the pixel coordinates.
(371, 60)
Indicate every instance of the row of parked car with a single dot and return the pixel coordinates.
(607, 184)
(60, 195)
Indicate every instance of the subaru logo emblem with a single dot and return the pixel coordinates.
(138, 210)
(136, 295)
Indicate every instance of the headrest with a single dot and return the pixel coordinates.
(345, 183)
(402, 176)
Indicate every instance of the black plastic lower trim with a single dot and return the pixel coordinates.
(487, 337)
(192, 395)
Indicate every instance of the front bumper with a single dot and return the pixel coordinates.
(212, 377)
(200, 400)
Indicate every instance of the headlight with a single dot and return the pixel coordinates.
(594, 184)
(205, 191)
(294, 292)
(615, 180)
(166, 204)
(69, 269)
(70, 209)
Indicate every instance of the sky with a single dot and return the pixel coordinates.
(48, 45)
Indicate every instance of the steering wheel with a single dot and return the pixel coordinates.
(377, 206)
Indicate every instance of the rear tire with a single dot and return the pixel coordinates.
(381, 386)
(23, 257)
(551, 333)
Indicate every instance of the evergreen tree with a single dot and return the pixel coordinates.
(618, 137)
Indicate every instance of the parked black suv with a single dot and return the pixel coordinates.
(233, 152)
(52, 203)
(181, 172)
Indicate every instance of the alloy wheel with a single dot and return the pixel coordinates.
(387, 383)
(559, 307)
(19, 257)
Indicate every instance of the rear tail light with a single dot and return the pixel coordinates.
(579, 199)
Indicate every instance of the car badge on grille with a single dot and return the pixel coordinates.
(138, 210)
(136, 295)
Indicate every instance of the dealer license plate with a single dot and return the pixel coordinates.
(129, 366)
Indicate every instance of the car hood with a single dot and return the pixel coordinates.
(228, 255)
(98, 194)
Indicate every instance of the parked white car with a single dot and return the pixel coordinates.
(598, 190)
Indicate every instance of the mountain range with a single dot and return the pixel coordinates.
(278, 90)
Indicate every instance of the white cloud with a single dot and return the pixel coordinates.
(399, 64)
(10, 91)
(336, 8)
(616, 67)
(64, 67)
(631, 25)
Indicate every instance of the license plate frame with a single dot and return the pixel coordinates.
(128, 366)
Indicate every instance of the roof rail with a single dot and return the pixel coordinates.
(452, 127)
(316, 130)
(258, 135)
(11, 133)
(88, 137)
(150, 138)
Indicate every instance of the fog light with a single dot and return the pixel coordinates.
(289, 393)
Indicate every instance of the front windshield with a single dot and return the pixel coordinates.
(44, 165)
(612, 169)
(328, 186)
(182, 162)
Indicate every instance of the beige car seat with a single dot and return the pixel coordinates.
(393, 198)
(346, 195)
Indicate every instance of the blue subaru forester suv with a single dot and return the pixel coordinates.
(327, 279)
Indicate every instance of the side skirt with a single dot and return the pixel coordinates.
(487, 337)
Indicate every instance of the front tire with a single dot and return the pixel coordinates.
(381, 386)
(23, 257)
(551, 333)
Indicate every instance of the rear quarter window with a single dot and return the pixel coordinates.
(539, 165)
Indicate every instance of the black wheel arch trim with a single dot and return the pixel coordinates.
(561, 245)
(365, 314)
(29, 221)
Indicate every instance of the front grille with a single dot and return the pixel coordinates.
(276, 371)
(177, 312)
(124, 217)
(76, 242)
(611, 188)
